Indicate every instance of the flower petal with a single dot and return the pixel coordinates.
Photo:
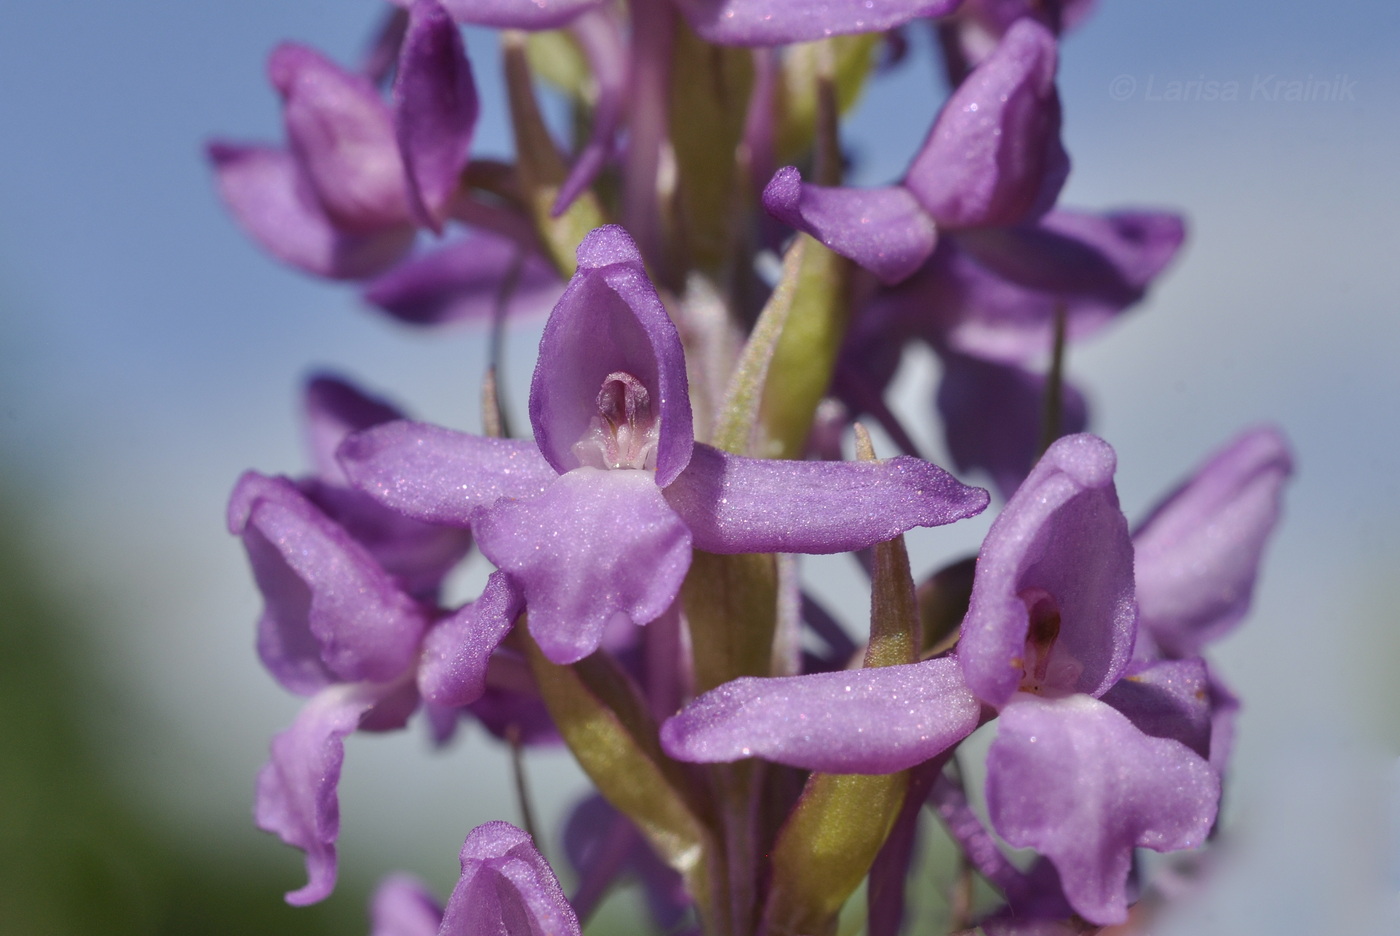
(994, 417)
(333, 409)
(343, 137)
(435, 110)
(296, 789)
(1073, 779)
(1198, 553)
(1167, 699)
(884, 230)
(779, 22)
(466, 281)
(609, 319)
(734, 504)
(403, 906)
(600, 38)
(438, 475)
(456, 651)
(517, 14)
(866, 721)
(1062, 536)
(994, 155)
(596, 546)
(330, 611)
(269, 198)
(506, 887)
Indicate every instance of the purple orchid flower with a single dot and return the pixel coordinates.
(345, 197)
(779, 22)
(1049, 631)
(506, 887)
(969, 35)
(595, 521)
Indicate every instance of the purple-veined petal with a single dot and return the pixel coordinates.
(332, 409)
(465, 281)
(1198, 553)
(271, 201)
(609, 320)
(734, 504)
(438, 475)
(330, 611)
(456, 651)
(1060, 548)
(1075, 780)
(994, 155)
(1167, 699)
(506, 889)
(994, 417)
(403, 906)
(600, 38)
(866, 721)
(884, 230)
(779, 22)
(435, 110)
(597, 546)
(296, 789)
(343, 137)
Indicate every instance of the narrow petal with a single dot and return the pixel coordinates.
(438, 475)
(467, 280)
(994, 155)
(270, 200)
(435, 110)
(600, 37)
(603, 845)
(609, 320)
(296, 789)
(517, 14)
(343, 137)
(330, 610)
(865, 721)
(456, 651)
(403, 906)
(595, 547)
(884, 229)
(1073, 779)
(1167, 699)
(506, 887)
(779, 22)
(734, 504)
(994, 417)
(1198, 553)
(1061, 546)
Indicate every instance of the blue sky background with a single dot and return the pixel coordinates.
(149, 354)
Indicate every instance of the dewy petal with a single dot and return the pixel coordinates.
(994, 417)
(330, 610)
(1063, 535)
(598, 545)
(343, 137)
(994, 155)
(1198, 553)
(435, 110)
(438, 475)
(1167, 699)
(734, 504)
(1075, 780)
(456, 652)
(864, 721)
(464, 281)
(296, 789)
(506, 889)
(609, 319)
(516, 14)
(779, 22)
(884, 230)
(403, 906)
(271, 201)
